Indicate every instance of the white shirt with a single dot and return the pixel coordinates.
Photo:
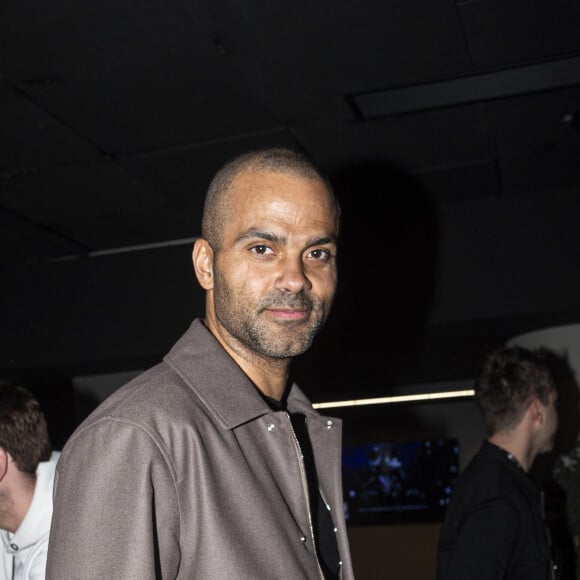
(23, 553)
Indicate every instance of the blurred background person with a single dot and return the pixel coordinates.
(27, 468)
(495, 527)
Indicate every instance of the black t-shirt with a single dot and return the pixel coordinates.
(324, 529)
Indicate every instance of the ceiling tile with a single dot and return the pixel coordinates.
(502, 33)
(31, 138)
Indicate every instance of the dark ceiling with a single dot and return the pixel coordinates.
(114, 115)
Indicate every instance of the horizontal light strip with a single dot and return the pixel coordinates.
(126, 249)
(396, 399)
(141, 247)
(469, 89)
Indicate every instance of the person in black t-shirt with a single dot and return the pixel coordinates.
(494, 526)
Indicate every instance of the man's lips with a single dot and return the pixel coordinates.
(288, 314)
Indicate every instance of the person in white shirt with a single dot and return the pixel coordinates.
(27, 468)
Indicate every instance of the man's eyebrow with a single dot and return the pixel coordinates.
(282, 240)
(322, 241)
(258, 234)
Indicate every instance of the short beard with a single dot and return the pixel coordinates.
(267, 343)
(248, 329)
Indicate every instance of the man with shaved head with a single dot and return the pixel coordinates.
(213, 464)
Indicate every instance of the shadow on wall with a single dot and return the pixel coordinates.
(387, 263)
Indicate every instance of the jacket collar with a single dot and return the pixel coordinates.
(219, 382)
(501, 455)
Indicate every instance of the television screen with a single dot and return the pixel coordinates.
(399, 482)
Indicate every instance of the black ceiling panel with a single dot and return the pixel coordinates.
(500, 34)
(33, 139)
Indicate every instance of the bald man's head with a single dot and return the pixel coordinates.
(278, 159)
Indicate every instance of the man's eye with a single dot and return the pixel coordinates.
(320, 254)
(261, 249)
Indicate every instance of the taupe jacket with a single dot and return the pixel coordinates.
(186, 473)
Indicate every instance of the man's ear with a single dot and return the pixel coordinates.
(537, 411)
(4, 460)
(202, 257)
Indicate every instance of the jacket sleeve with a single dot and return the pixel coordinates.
(116, 513)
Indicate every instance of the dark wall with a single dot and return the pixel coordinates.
(98, 314)
(422, 294)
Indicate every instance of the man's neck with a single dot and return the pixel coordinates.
(516, 446)
(270, 375)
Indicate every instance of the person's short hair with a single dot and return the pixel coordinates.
(23, 429)
(278, 159)
(509, 379)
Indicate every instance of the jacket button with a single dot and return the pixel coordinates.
(14, 547)
(271, 427)
(303, 539)
(329, 424)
